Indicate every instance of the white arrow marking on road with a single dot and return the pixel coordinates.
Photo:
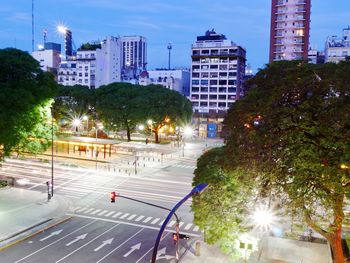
(76, 239)
(106, 242)
(52, 234)
(133, 248)
(163, 252)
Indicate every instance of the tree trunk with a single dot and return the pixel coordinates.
(156, 135)
(335, 242)
(128, 134)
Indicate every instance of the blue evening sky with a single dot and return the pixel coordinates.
(177, 21)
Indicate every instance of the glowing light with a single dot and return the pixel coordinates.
(263, 218)
(344, 166)
(149, 122)
(40, 47)
(141, 127)
(62, 29)
(85, 118)
(76, 122)
(188, 131)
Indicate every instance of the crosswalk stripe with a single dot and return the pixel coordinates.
(131, 217)
(139, 218)
(81, 210)
(89, 210)
(76, 208)
(103, 212)
(155, 221)
(188, 226)
(180, 225)
(196, 228)
(161, 223)
(95, 212)
(147, 219)
(117, 214)
(123, 216)
(110, 213)
(172, 223)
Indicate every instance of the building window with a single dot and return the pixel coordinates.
(204, 104)
(213, 82)
(195, 82)
(222, 97)
(204, 97)
(223, 82)
(204, 82)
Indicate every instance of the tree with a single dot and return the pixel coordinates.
(222, 210)
(121, 106)
(293, 127)
(166, 106)
(24, 91)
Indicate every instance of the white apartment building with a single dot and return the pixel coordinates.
(176, 79)
(290, 27)
(108, 63)
(134, 56)
(48, 57)
(218, 67)
(337, 49)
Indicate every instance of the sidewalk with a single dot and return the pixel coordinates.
(21, 211)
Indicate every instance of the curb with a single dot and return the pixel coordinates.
(2, 248)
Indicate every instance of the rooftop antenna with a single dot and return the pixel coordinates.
(45, 35)
(32, 25)
(169, 48)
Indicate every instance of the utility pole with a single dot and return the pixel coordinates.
(52, 151)
(169, 49)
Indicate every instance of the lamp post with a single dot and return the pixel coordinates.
(86, 118)
(76, 122)
(51, 151)
(188, 132)
(98, 127)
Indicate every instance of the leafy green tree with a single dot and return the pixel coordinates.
(121, 106)
(222, 210)
(294, 127)
(24, 91)
(166, 106)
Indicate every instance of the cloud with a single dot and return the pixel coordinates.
(18, 17)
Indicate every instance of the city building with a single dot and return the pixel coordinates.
(337, 49)
(218, 67)
(134, 56)
(315, 56)
(175, 79)
(48, 57)
(109, 62)
(290, 29)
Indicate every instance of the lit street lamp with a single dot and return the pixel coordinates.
(188, 132)
(86, 118)
(98, 127)
(76, 123)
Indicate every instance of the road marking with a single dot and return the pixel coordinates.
(196, 228)
(81, 210)
(150, 249)
(139, 218)
(130, 224)
(131, 217)
(51, 235)
(93, 221)
(147, 219)
(76, 239)
(132, 249)
(188, 226)
(95, 212)
(87, 243)
(123, 216)
(109, 214)
(161, 252)
(161, 223)
(106, 242)
(171, 223)
(117, 214)
(180, 225)
(89, 210)
(120, 245)
(103, 212)
(155, 221)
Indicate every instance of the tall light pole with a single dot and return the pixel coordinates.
(188, 132)
(51, 151)
(86, 118)
(98, 127)
(169, 50)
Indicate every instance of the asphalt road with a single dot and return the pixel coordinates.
(101, 231)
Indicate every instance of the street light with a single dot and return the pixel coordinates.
(51, 151)
(98, 127)
(86, 118)
(76, 123)
(187, 132)
(263, 218)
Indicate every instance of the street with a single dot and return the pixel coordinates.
(101, 231)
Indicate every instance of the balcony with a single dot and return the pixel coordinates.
(279, 3)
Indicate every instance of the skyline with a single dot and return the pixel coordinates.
(178, 23)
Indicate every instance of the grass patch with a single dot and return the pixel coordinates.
(3, 183)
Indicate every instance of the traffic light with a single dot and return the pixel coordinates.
(175, 237)
(113, 196)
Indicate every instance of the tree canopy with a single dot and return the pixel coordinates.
(25, 90)
(291, 133)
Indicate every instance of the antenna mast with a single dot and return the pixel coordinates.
(32, 25)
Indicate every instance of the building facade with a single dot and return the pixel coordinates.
(49, 57)
(217, 72)
(290, 29)
(337, 49)
(108, 63)
(176, 79)
(134, 56)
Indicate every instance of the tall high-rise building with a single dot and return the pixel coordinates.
(337, 49)
(290, 29)
(134, 55)
(218, 67)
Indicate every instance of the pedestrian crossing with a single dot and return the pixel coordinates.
(184, 166)
(141, 219)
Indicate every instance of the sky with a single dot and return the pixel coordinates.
(179, 22)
